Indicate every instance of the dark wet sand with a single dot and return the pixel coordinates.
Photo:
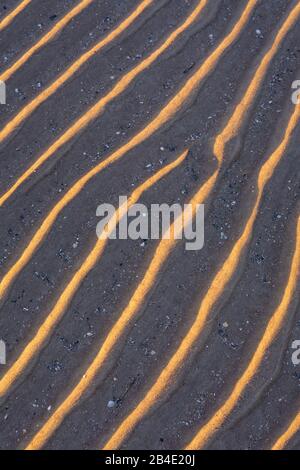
(206, 378)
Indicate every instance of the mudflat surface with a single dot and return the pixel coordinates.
(169, 366)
